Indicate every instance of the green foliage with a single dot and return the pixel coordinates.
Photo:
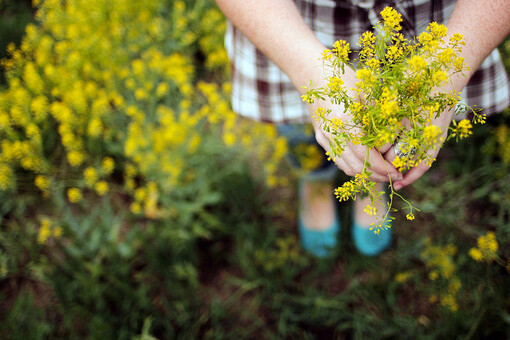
(25, 320)
(219, 257)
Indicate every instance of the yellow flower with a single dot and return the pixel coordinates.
(417, 63)
(320, 113)
(439, 77)
(44, 231)
(75, 158)
(487, 247)
(366, 78)
(463, 128)
(391, 18)
(446, 56)
(141, 94)
(370, 210)
(6, 177)
(432, 135)
(476, 254)
(400, 163)
(57, 231)
(138, 67)
(335, 84)
(39, 107)
(403, 276)
(389, 108)
(90, 175)
(448, 300)
(336, 123)
(140, 194)
(326, 55)
(229, 138)
(367, 39)
(135, 208)
(410, 216)
(373, 63)
(307, 98)
(394, 52)
(108, 165)
(95, 127)
(74, 195)
(488, 243)
(42, 182)
(162, 90)
(342, 49)
(101, 188)
(438, 31)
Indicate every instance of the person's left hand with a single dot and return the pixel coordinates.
(443, 121)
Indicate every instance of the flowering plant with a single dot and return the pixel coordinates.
(108, 98)
(397, 95)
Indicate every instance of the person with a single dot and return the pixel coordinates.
(275, 49)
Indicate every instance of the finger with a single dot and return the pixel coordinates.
(411, 176)
(346, 168)
(383, 149)
(381, 166)
(352, 161)
(390, 154)
(354, 156)
(380, 178)
(341, 162)
(322, 140)
(349, 171)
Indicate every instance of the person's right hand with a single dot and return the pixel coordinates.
(353, 157)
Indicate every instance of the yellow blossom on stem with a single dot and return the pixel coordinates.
(342, 49)
(101, 188)
(74, 195)
(107, 165)
(392, 18)
(44, 231)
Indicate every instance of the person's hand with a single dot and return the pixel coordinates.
(352, 159)
(443, 121)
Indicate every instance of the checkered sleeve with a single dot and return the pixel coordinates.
(261, 91)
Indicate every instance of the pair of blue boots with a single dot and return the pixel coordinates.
(321, 242)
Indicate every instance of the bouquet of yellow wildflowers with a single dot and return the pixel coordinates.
(397, 96)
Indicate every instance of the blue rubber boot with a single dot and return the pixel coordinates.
(367, 242)
(319, 242)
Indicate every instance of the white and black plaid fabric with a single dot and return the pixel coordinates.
(262, 92)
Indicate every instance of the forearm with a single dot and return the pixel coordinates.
(484, 25)
(277, 29)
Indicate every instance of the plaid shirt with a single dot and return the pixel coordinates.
(261, 91)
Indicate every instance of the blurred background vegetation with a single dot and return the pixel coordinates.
(135, 205)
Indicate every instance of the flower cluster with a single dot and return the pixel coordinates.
(442, 271)
(397, 95)
(102, 97)
(486, 249)
(48, 229)
(286, 251)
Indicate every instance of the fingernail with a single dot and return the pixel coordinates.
(397, 186)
